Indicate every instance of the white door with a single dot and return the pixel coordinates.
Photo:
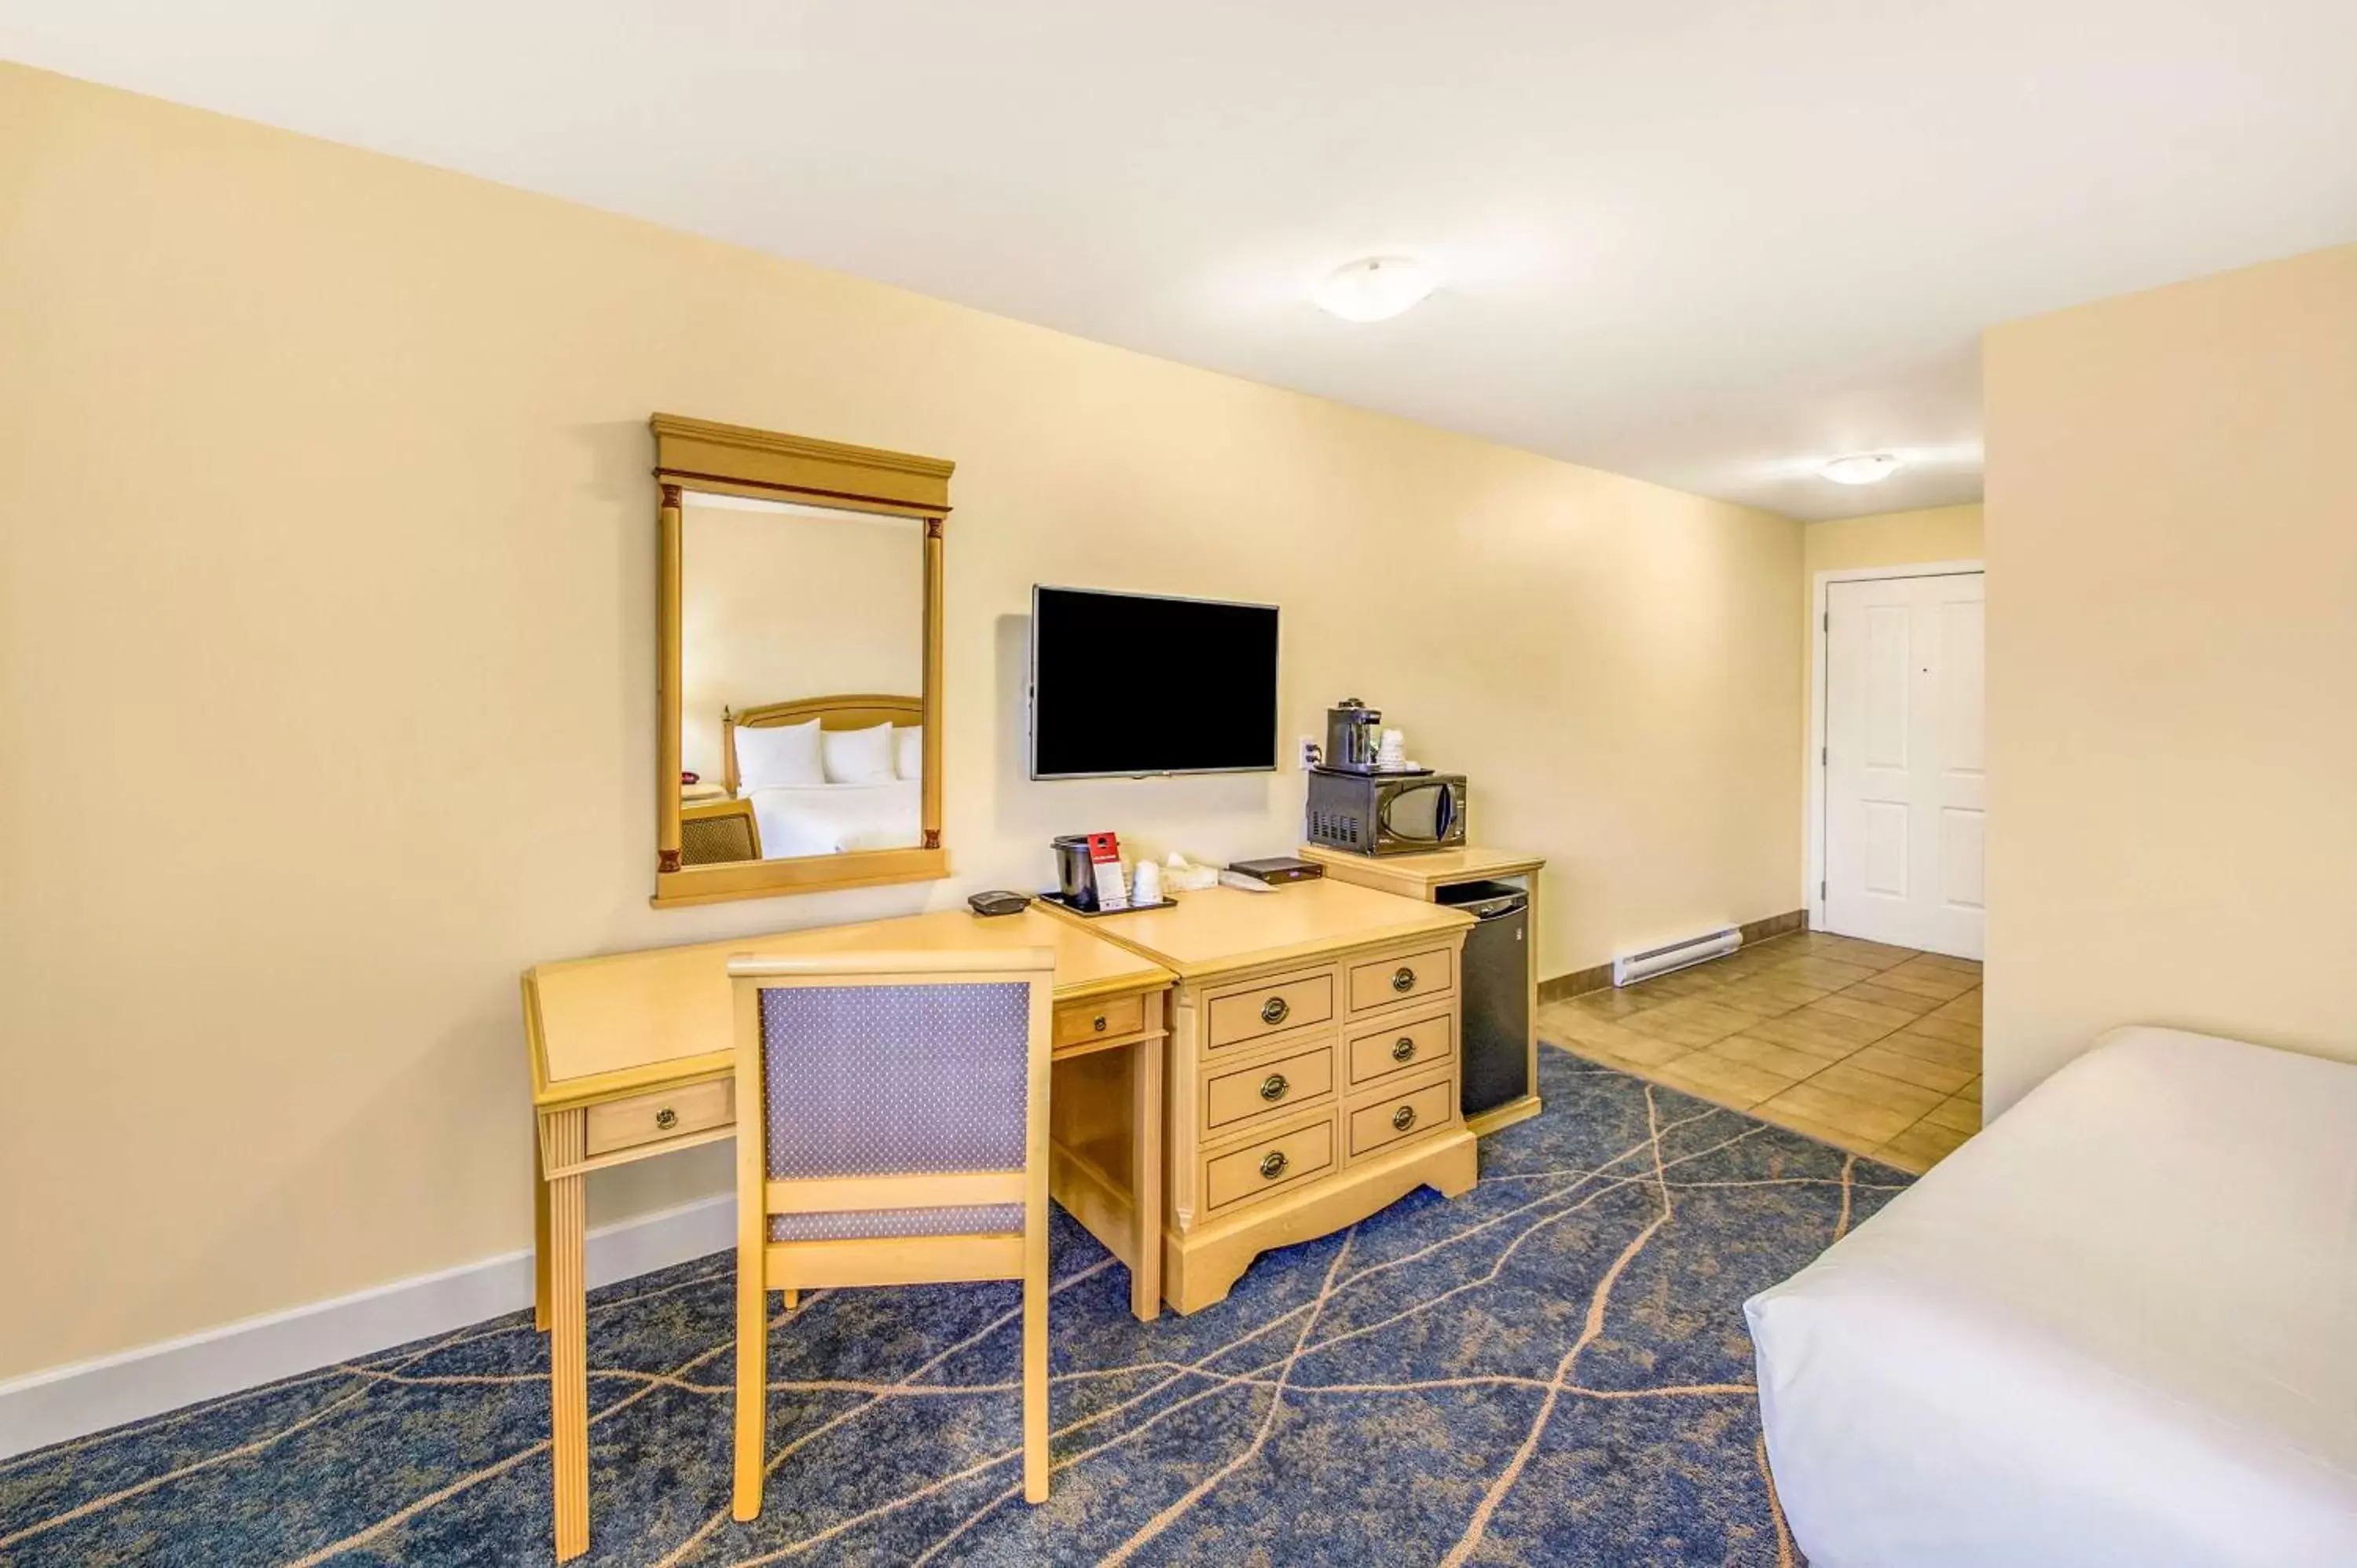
(1905, 790)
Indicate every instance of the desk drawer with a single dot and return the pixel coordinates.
(1106, 1019)
(652, 1118)
(1400, 1046)
(1288, 1083)
(1387, 981)
(1269, 1164)
(1404, 1114)
(1288, 1002)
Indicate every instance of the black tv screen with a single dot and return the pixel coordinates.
(1126, 685)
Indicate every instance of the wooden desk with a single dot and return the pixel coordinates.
(1313, 1067)
(632, 1056)
(1423, 876)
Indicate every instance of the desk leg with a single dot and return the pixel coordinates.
(568, 1341)
(1145, 1178)
(539, 1233)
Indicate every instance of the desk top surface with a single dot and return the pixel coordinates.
(1223, 929)
(602, 1025)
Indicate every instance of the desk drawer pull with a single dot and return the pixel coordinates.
(1272, 1087)
(1403, 979)
(1098, 1019)
(1404, 1048)
(1273, 1010)
(638, 1121)
(1404, 1118)
(1273, 1164)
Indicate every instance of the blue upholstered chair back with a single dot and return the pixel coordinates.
(895, 1080)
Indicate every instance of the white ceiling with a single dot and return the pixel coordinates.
(1701, 242)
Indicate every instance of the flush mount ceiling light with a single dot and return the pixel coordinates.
(1861, 467)
(1375, 289)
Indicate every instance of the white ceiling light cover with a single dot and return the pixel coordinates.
(1376, 288)
(1862, 468)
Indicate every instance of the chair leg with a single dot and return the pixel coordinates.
(1035, 1366)
(793, 1299)
(752, 1384)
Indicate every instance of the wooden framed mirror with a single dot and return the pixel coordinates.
(799, 664)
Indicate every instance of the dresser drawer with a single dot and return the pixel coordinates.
(1404, 1114)
(1077, 1022)
(1402, 1046)
(1286, 1083)
(652, 1118)
(1385, 981)
(1288, 1002)
(1269, 1164)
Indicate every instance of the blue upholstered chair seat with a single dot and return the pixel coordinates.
(976, 1220)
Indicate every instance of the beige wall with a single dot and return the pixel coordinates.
(2172, 666)
(776, 604)
(327, 641)
(1892, 539)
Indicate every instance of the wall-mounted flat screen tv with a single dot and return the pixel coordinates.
(1125, 685)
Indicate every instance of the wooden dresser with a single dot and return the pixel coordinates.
(1312, 1072)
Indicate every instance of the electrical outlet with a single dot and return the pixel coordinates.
(1309, 752)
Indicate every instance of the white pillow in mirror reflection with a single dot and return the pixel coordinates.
(909, 750)
(779, 756)
(857, 756)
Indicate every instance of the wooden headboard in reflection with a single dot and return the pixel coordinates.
(861, 710)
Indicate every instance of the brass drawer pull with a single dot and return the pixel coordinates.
(1404, 1048)
(1403, 979)
(1273, 1164)
(1274, 1086)
(1273, 1010)
(666, 1118)
(1404, 1118)
(1100, 1021)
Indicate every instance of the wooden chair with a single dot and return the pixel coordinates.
(891, 1129)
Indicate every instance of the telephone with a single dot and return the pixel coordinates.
(998, 901)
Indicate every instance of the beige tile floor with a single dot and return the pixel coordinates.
(1874, 1050)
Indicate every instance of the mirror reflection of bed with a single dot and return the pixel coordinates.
(800, 658)
(853, 785)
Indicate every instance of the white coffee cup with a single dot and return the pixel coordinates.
(1145, 887)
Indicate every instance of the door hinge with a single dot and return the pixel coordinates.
(1824, 756)
(1821, 892)
(1825, 621)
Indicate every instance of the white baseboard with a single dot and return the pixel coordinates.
(69, 1401)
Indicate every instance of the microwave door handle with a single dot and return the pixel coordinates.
(1445, 817)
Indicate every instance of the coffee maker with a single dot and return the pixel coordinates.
(1353, 732)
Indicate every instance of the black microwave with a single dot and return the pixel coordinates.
(1386, 813)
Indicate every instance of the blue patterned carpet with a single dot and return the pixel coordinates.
(1552, 1370)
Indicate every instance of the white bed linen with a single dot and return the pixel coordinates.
(2117, 1326)
(830, 818)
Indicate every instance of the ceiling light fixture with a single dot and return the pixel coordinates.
(1376, 289)
(1861, 467)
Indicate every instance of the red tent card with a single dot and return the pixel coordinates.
(1104, 860)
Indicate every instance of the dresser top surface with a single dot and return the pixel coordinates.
(668, 1008)
(1223, 929)
(1431, 868)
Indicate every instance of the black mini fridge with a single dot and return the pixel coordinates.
(1494, 990)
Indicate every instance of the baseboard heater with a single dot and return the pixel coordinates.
(1644, 965)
